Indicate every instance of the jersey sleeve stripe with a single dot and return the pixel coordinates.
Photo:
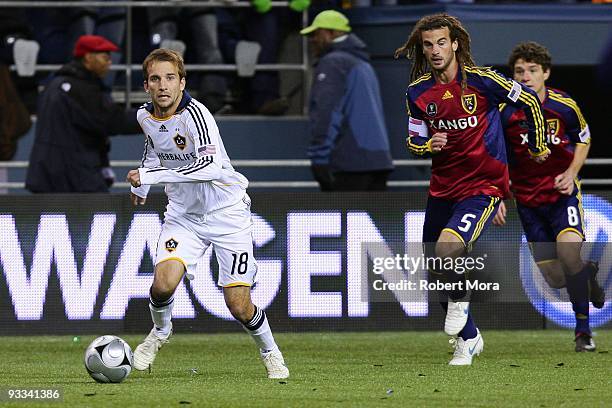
(525, 97)
(570, 103)
(156, 169)
(197, 123)
(188, 169)
(416, 148)
(425, 77)
(201, 164)
(202, 121)
(146, 150)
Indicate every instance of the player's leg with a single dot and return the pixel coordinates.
(437, 214)
(553, 273)
(255, 323)
(435, 242)
(232, 238)
(567, 222)
(567, 216)
(177, 249)
(470, 218)
(541, 238)
(168, 275)
(458, 320)
(577, 277)
(252, 318)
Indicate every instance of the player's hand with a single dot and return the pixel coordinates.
(438, 141)
(133, 177)
(500, 217)
(541, 158)
(564, 182)
(136, 200)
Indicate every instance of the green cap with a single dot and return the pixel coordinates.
(330, 20)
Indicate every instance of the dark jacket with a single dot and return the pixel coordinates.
(346, 116)
(75, 118)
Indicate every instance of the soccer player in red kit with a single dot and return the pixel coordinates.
(548, 196)
(453, 116)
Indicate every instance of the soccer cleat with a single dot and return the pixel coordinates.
(584, 342)
(275, 365)
(145, 353)
(465, 350)
(456, 317)
(596, 292)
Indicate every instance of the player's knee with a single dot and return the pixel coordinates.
(240, 309)
(570, 259)
(569, 245)
(161, 293)
(554, 280)
(449, 249)
(553, 272)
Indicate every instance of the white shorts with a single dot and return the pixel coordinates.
(229, 230)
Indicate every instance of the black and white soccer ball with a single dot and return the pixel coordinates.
(109, 359)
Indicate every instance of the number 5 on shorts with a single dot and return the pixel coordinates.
(242, 261)
(466, 222)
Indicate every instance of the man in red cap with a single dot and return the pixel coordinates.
(75, 117)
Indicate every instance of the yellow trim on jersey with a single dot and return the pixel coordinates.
(570, 103)
(155, 118)
(579, 197)
(483, 219)
(531, 101)
(546, 261)
(234, 284)
(532, 154)
(455, 233)
(420, 79)
(570, 229)
(502, 106)
(173, 258)
(419, 149)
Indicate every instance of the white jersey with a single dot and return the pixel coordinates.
(185, 152)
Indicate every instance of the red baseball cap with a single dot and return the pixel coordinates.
(92, 43)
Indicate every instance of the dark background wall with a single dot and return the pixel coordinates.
(575, 34)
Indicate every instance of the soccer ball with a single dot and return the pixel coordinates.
(109, 359)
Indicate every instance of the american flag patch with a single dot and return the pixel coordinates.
(515, 92)
(207, 149)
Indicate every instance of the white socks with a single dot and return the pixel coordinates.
(161, 313)
(260, 331)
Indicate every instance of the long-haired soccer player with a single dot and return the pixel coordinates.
(548, 196)
(207, 205)
(453, 116)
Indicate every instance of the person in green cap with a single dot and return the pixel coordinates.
(349, 150)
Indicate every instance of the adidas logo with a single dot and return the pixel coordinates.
(447, 95)
(162, 128)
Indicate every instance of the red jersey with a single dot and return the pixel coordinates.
(532, 183)
(474, 161)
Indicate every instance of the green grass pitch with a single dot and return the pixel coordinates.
(407, 369)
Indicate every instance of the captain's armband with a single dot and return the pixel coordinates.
(417, 128)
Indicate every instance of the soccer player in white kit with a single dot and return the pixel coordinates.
(207, 205)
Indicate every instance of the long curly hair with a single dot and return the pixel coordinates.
(413, 48)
